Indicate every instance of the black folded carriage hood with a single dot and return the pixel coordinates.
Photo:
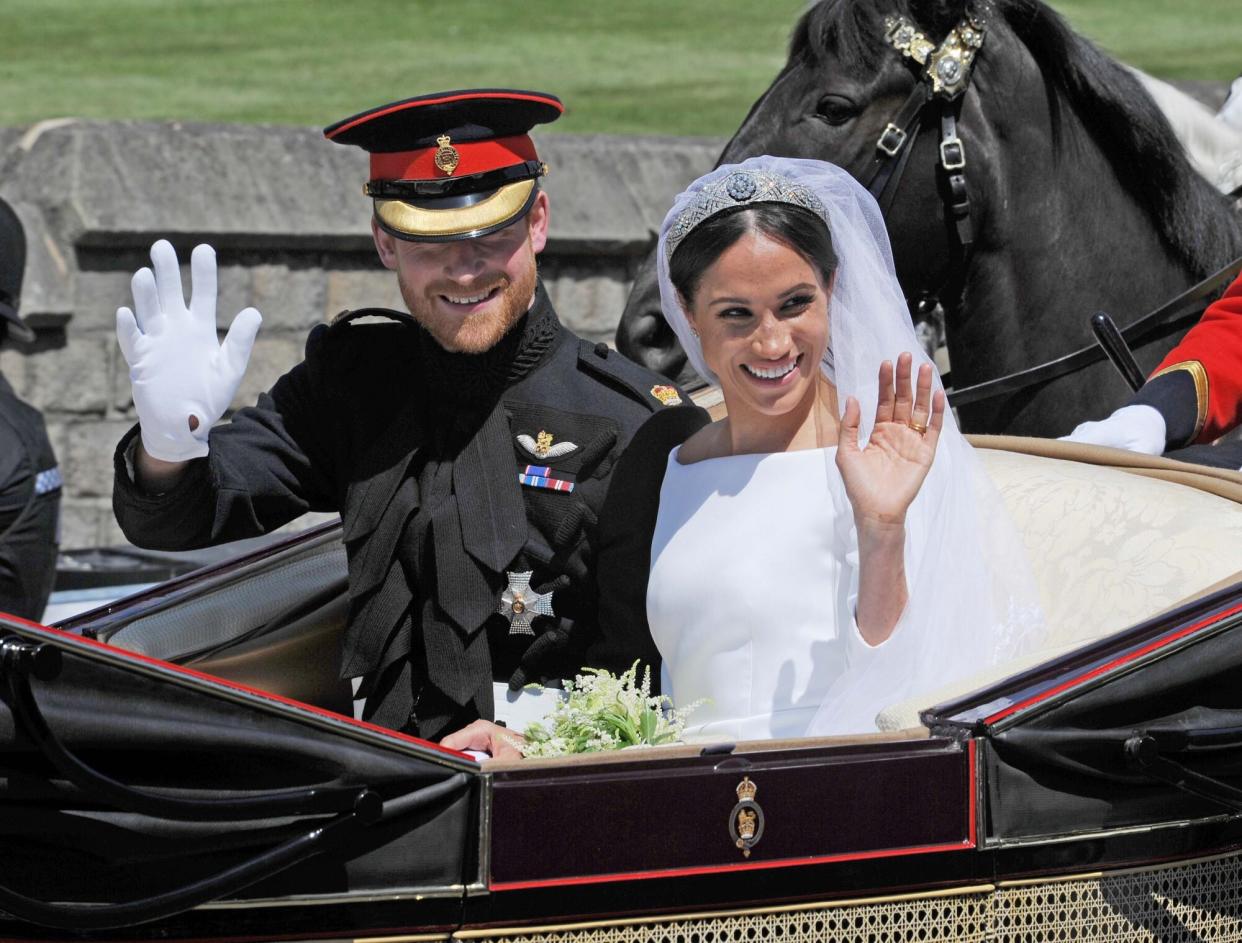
(132, 791)
(1141, 729)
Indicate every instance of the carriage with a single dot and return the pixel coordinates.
(184, 764)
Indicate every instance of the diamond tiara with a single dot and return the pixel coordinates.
(740, 188)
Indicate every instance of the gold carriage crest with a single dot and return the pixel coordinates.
(447, 157)
(746, 819)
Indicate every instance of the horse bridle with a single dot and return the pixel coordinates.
(944, 72)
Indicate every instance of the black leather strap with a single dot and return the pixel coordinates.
(953, 163)
(895, 141)
(1186, 306)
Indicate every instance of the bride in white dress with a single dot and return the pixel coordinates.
(833, 545)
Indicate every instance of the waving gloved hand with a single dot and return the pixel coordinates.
(183, 378)
(1135, 428)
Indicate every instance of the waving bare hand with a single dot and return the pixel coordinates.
(882, 479)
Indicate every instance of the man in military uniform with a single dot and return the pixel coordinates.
(1193, 397)
(467, 444)
(29, 477)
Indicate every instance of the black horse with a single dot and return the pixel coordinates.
(1081, 198)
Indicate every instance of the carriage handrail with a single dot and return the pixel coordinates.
(1188, 302)
(1144, 754)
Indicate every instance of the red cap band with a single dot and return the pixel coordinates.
(473, 157)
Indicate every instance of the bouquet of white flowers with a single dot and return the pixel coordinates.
(601, 711)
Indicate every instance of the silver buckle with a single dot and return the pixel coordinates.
(897, 134)
(960, 161)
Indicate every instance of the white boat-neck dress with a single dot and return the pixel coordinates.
(752, 592)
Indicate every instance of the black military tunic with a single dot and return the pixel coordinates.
(453, 473)
(30, 488)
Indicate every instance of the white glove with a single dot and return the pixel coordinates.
(177, 367)
(1135, 428)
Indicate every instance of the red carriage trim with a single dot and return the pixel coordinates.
(726, 868)
(258, 693)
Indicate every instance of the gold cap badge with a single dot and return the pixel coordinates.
(447, 157)
(666, 395)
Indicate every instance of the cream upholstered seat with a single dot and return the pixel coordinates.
(1110, 545)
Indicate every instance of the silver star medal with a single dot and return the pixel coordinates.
(520, 604)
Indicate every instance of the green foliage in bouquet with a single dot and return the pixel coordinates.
(602, 711)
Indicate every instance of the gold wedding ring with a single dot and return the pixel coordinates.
(917, 427)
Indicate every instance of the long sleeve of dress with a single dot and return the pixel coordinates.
(270, 463)
(626, 523)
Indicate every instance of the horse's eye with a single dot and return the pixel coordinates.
(835, 109)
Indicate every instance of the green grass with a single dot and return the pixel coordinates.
(625, 66)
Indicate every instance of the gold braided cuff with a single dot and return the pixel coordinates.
(1200, 377)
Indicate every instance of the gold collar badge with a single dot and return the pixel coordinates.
(666, 395)
(447, 157)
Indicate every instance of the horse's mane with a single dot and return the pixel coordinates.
(1195, 220)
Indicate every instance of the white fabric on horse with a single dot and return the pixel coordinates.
(1213, 142)
(1231, 111)
(973, 602)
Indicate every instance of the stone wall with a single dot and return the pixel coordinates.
(285, 212)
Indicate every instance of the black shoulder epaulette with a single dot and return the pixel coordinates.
(652, 390)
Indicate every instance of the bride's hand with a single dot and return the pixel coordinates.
(882, 479)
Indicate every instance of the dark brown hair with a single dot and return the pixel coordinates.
(799, 228)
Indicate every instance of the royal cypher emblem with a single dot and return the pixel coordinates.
(746, 819)
(666, 395)
(520, 604)
(446, 157)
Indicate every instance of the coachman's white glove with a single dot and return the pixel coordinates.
(177, 367)
(1135, 428)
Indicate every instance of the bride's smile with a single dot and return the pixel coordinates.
(773, 373)
(761, 310)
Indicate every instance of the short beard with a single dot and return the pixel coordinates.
(478, 332)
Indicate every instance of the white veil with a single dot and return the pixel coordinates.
(973, 602)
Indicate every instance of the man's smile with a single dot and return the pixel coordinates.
(464, 299)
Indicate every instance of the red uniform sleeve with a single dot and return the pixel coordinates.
(1211, 352)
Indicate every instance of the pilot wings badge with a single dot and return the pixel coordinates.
(544, 447)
